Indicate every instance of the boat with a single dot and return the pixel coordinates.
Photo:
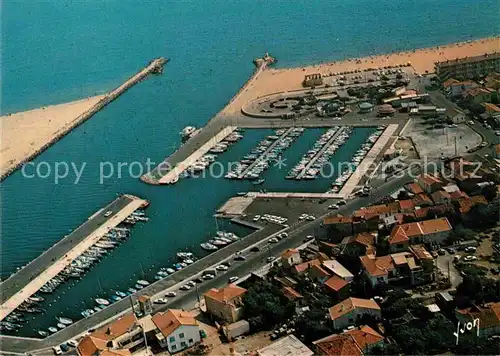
(138, 286)
(120, 294)
(65, 321)
(115, 298)
(132, 290)
(43, 333)
(143, 282)
(170, 270)
(53, 329)
(61, 326)
(177, 266)
(218, 242)
(187, 132)
(97, 309)
(102, 301)
(188, 261)
(36, 299)
(183, 255)
(208, 246)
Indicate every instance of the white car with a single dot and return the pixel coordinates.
(208, 276)
(333, 206)
(341, 202)
(221, 268)
(191, 283)
(273, 240)
(57, 350)
(310, 218)
(233, 279)
(185, 287)
(72, 343)
(170, 294)
(470, 122)
(256, 218)
(161, 301)
(284, 235)
(470, 249)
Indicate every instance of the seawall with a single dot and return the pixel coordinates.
(153, 67)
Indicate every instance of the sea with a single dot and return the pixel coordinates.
(55, 51)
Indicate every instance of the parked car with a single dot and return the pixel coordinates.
(270, 259)
(240, 258)
(57, 350)
(170, 294)
(72, 343)
(255, 249)
(233, 279)
(441, 252)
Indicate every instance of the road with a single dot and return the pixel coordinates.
(445, 264)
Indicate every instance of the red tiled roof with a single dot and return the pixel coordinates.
(478, 91)
(407, 204)
(337, 220)
(289, 253)
(349, 304)
(305, 265)
(377, 267)
(457, 194)
(226, 294)
(365, 336)
(428, 179)
(440, 194)
(336, 283)
(169, 321)
(449, 82)
(421, 198)
(363, 238)
(422, 212)
(319, 272)
(478, 199)
(291, 294)
(338, 345)
(415, 188)
(488, 315)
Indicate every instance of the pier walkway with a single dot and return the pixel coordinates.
(265, 153)
(173, 175)
(321, 151)
(367, 163)
(27, 281)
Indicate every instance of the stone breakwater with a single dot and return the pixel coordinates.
(154, 67)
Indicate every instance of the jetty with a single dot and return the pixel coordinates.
(367, 164)
(28, 280)
(154, 67)
(321, 151)
(265, 153)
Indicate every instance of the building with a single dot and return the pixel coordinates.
(338, 287)
(336, 269)
(305, 267)
(401, 266)
(434, 231)
(225, 304)
(349, 311)
(491, 108)
(287, 346)
(365, 107)
(386, 110)
(358, 245)
(291, 257)
(176, 330)
(120, 337)
(479, 95)
(493, 81)
(488, 315)
(441, 197)
(460, 88)
(234, 330)
(355, 342)
(312, 80)
(468, 67)
(429, 183)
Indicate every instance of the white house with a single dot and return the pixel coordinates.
(348, 312)
(291, 257)
(177, 330)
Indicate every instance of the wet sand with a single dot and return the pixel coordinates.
(422, 60)
(25, 133)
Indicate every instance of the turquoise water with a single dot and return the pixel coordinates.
(57, 51)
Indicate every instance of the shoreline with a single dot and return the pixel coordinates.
(26, 124)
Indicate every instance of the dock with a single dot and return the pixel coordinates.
(154, 67)
(368, 161)
(265, 153)
(173, 175)
(321, 151)
(28, 281)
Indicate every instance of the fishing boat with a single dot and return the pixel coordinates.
(143, 282)
(65, 321)
(187, 132)
(188, 261)
(53, 329)
(43, 333)
(102, 301)
(217, 242)
(36, 299)
(138, 286)
(208, 246)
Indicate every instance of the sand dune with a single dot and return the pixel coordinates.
(25, 133)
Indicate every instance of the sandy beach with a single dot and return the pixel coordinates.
(422, 60)
(24, 133)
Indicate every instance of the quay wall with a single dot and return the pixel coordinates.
(155, 66)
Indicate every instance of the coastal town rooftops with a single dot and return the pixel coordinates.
(488, 314)
(447, 83)
(90, 346)
(349, 343)
(478, 91)
(420, 252)
(337, 220)
(226, 294)
(350, 304)
(291, 294)
(415, 188)
(287, 346)
(405, 232)
(428, 179)
(491, 107)
(306, 265)
(363, 238)
(377, 267)
(172, 319)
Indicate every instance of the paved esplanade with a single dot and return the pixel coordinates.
(31, 278)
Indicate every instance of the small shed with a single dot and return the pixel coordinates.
(236, 329)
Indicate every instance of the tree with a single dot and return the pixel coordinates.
(477, 289)
(312, 326)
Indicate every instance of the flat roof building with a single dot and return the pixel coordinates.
(287, 346)
(468, 67)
